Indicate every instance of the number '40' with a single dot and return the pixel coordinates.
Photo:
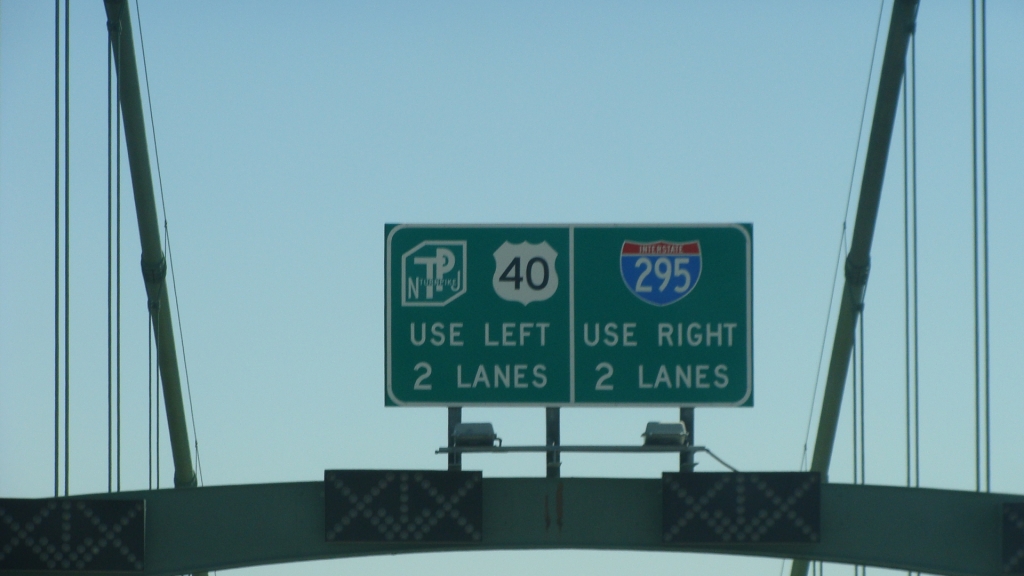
(536, 267)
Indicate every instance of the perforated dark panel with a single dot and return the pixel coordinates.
(1013, 538)
(72, 535)
(730, 507)
(397, 505)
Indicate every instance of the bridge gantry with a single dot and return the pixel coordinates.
(215, 528)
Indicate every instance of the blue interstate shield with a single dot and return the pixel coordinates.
(660, 273)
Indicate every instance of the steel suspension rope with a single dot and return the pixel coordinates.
(906, 274)
(984, 180)
(117, 23)
(857, 390)
(110, 273)
(1, 43)
(819, 567)
(855, 410)
(181, 338)
(56, 249)
(913, 192)
(863, 114)
(910, 273)
(118, 251)
(910, 295)
(974, 228)
(154, 311)
(979, 184)
(67, 246)
(149, 387)
(154, 390)
(910, 300)
(863, 405)
(846, 212)
(167, 242)
(821, 353)
(917, 350)
(912, 392)
(114, 268)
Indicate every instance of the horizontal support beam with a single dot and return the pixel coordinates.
(216, 528)
(591, 449)
(654, 449)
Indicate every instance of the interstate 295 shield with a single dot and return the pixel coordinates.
(660, 273)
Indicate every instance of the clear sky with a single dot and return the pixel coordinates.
(289, 133)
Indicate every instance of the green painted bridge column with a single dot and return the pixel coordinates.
(858, 262)
(154, 266)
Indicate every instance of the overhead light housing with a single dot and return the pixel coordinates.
(665, 434)
(475, 434)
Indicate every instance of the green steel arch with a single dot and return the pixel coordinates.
(215, 528)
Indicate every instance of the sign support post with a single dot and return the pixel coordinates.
(686, 463)
(553, 439)
(454, 458)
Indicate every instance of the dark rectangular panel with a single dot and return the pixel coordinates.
(72, 535)
(738, 507)
(1013, 538)
(403, 505)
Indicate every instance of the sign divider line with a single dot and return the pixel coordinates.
(572, 315)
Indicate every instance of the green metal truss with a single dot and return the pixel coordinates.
(934, 531)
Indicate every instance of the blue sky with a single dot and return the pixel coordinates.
(290, 133)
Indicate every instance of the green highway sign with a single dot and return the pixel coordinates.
(569, 315)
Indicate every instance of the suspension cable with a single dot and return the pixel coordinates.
(110, 273)
(913, 192)
(906, 276)
(821, 352)
(984, 187)
(858, 409)
(974, 225)
(859, 414)
(857, 366)
(863, 404)
(1, 60)
(56, 249)
(842, 236)
(854, 412)
(167, 241)
(118, 254)
(982, 410)
(67, 246)
(863, 113)
(149, 388)
(184, 357)
(155, 312)
(910, 300)
(912, 395)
